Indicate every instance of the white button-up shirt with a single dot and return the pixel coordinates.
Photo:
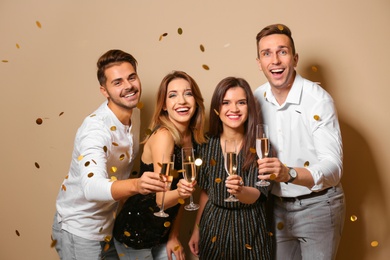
(304, 132)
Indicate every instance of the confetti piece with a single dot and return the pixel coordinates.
(38, 24)
(213, 162)
(80, 157)
(214, 239)
(37, 165)
(218, 180)
(5, 61)
(92, 115)
(280, 27)
(17, 46)
(60, 114)
(216, 112)
(114, 144)
(306, 164)
(374, 243)
(280, 225)
(148, 131)
(180, 31)
(122, 157)
(63, 187)
(162, 36)
(17, 233)
(314, 68)
(53, 243)
(66, 177)
(39, 121)
(198, 162)
(353, 218)
(270, 234)
(248, 246)
(107, 239)
(94, 161)
(127, 233)
(114, 169)
(272, 177)
(202, 48)
(113, 178)
(205, 67)
(113, 128)
(252, 150)
(181, 201)
(105, 149)
(87, 163)
(167, 224)
(265, 94)
(106, 247)
(140, 105)
(316, 117)
(90, 174)
(101, 229)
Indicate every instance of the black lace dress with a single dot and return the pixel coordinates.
(136, 226)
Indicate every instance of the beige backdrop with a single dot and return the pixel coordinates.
(48, 52)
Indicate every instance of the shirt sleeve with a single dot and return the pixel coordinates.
(327, 171)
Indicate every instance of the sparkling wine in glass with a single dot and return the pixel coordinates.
(167, 166)
(189, 172)
(262, 147)
(231, 163)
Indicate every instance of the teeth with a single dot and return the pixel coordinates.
(233, 116)
(182, 110)
(278, 70)
(130, 95)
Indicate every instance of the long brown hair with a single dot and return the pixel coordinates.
(160, 116)
(254, 118)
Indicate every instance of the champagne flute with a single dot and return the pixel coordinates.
(231, 163)
(167, 165)
(189, 172)
(262, 148)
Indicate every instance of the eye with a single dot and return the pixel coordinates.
(283, 52)
(266, 54)
(188, 93)
(117, 83)
(172, 95)
(242, 102)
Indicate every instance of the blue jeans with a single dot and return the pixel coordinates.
(310, 228)
(72, 247)
(155, 253)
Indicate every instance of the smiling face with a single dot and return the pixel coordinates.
(180, 103)
(277, 61)
(122, 87)
(234, 109)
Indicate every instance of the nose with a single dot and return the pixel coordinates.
(275, 58)
(182, 99)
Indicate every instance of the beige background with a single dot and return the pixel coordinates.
(49, 70)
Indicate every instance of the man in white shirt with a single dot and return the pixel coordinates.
(306, 162)
(104, 150)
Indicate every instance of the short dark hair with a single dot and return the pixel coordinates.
(275, 29)
(110, 58)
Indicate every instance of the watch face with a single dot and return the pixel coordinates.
(293, 173)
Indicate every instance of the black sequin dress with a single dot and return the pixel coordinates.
(136, 226)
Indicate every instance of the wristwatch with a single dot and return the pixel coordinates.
(293, 174)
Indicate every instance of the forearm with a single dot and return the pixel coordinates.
(248, 195)
(122, 189)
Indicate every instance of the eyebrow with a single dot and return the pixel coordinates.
(279, 48)
(121, 79)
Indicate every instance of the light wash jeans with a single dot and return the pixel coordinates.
(309, 229)
(72, 247)
(155, 253)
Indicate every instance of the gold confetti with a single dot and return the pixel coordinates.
(5, 61)
(265, 94)
(140, 105)
(80, 157)
(63, 187)
(167, 224)
(113, 128)
(162, 36)
(122, 157)
(61, 114)
(205, 67)
(92, 115)
(270, 234)
(248, 246)
(37, 165)
(17, 46)
(306, 164)
(101, 229)
(114, 169)
(252, 150)
(38, 24)
(66, 177)
(127, 233)
(198, 162)
(53, 243)
(107, 238)
(280, 225)
(94, 161)
(87, 163)
(17, 233)
(353, 218)
(181, 201)
(216, 112)
(39, 121)
(151, 209)
(148, 131)
(280, 27)
(213, 239)
(127, 154)
(374, 243)
(180, 31)
(213, 162)
(90, 174)
(105, 149)
(218, 180)
(106, 247)
(314, 68)
(272, 177)
(202, 48)
(316, 117)
(177, 247)
(114, 144)
(113, 178)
